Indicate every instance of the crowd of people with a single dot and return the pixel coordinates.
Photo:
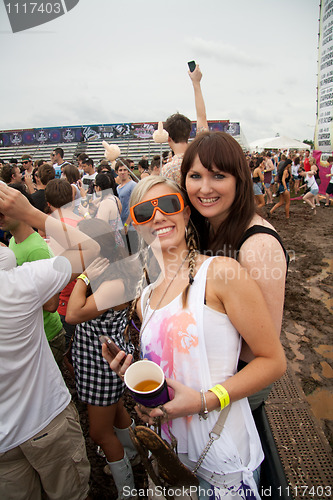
(277, 175)
(211, 320)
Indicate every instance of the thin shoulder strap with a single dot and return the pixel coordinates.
(256, 229)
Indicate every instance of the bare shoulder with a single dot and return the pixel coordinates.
(261, 247)
(224, 268)
(263, 257)
(225, 278)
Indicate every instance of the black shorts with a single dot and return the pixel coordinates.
(329, 189)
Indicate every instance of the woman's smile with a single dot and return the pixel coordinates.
(208, 201)
(211, 192)
(163, 231)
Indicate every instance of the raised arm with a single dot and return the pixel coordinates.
(77, 247)
(200, 107)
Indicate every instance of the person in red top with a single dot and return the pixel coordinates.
(306, 162)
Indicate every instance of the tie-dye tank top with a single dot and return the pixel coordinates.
(182, 342)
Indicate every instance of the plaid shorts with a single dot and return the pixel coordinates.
(96, 383)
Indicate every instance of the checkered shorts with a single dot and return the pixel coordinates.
(96, 383)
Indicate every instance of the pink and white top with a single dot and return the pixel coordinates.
(199, 347)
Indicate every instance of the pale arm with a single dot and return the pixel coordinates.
(76, 246)
(263, 258)
(200, 107)
(109, 294)
(285, 173)
(29, 183)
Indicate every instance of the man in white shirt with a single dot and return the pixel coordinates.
(42, 449)
(89, 175)
(57, 158)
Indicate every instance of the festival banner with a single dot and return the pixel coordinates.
(324, 125)
(86, 133)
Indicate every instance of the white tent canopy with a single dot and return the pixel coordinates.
(277, 143)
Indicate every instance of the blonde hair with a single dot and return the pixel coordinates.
(140, 190)
(143, 186)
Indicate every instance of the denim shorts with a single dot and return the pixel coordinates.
(281, 188)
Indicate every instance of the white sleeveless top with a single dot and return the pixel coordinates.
(77, 198)
(311, 181)
(200, 347)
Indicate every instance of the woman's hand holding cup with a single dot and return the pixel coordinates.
(184, 401)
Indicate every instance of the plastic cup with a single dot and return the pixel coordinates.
(146, 382)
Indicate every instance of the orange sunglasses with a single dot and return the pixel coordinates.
(168, 204)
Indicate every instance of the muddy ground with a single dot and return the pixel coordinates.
(307, 330)
(307, 333)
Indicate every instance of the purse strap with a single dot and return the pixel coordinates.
(214, 435)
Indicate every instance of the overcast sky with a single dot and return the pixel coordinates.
(108, 61)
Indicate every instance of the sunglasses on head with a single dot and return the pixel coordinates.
(168, 204)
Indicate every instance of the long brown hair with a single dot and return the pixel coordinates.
(222, 151)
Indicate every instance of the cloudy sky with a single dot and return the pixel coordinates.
(113, 61)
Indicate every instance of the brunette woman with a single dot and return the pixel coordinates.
(284, 175)
(258, 182)
(72, 175)
(220, 189)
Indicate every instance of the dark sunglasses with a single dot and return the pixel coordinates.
(168, 204)
(25, 162)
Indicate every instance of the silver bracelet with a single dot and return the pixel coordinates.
(203, 413)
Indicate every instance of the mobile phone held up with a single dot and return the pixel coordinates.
(112, 347)
(191, 65)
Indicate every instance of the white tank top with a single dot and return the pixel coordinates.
(200, 347)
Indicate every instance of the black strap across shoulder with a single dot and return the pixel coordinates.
(256, 229)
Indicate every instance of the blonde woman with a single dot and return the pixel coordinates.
(193, 321)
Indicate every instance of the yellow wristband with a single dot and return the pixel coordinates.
(84, 278)
(222, 394)
(125, 224)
